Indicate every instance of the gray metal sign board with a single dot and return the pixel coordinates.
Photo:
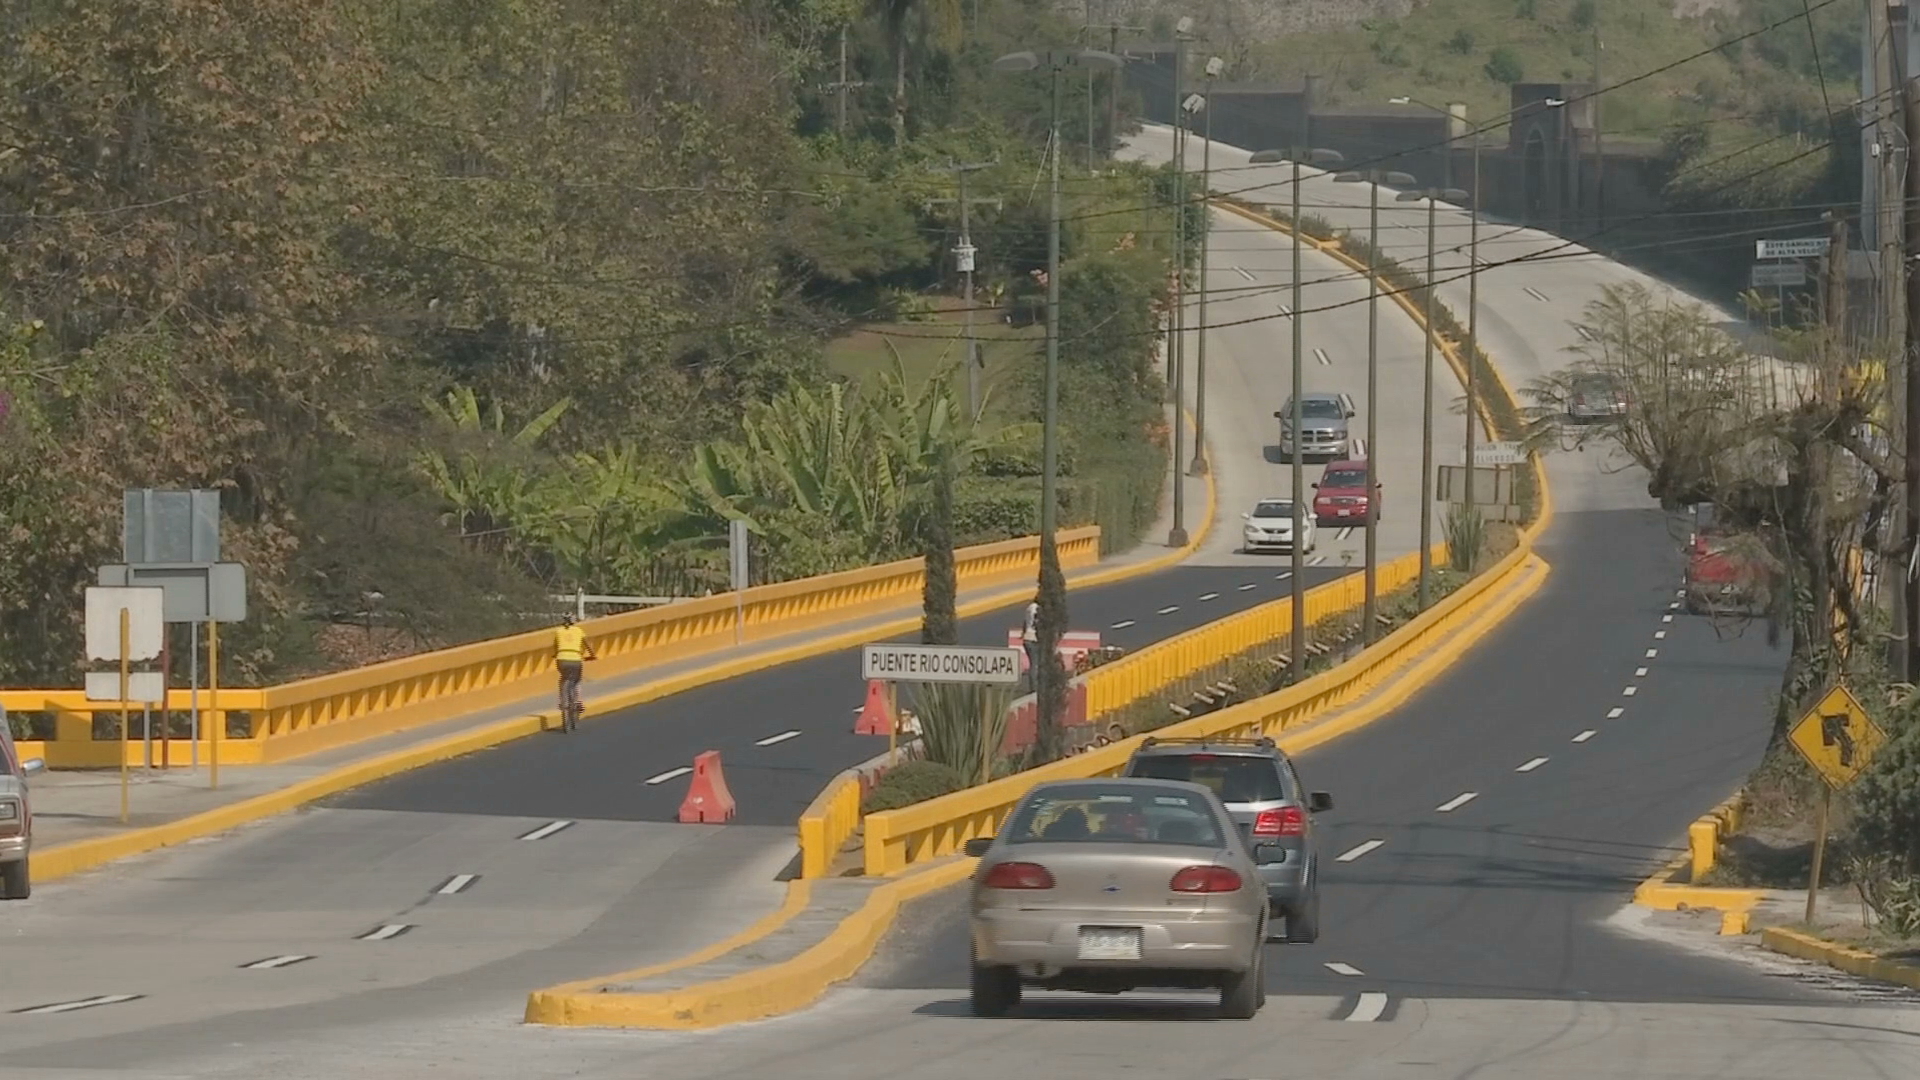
(170, 526)
(195, 592)
(1804, 247)
(1784, 275)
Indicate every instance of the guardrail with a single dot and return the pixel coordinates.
(897, 839)
(278, 723)
(1150, 671)
(829, 822)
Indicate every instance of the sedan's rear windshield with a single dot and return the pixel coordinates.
(1345, 478)
(1233, 779)
(1091, 816)
(1273, 510)
(1318, 409)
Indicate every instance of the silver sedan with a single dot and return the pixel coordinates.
(1111, 884)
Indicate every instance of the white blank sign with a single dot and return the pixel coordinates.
(143, 687)
(145, 627)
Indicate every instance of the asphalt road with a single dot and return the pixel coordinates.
(602, 771)
(1507, 894)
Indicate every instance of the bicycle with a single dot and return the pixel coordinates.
(570, 706)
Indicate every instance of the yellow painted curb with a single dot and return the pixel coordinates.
(752, 995)
(64, 860)
(1852, 961)
(1661, 893)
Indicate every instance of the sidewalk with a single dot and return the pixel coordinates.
(71, 806)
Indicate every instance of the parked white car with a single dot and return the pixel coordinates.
(16, 816)
(1271, 525)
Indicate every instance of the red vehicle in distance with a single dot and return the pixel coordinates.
(1341, 496)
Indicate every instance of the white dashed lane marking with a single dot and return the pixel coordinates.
(1630, 691)
(1659, 635)
(385, 933)
(1360, 850)
(1344, 533)
(1316, 560)
(1585, 735)
(1457, 802)
(1286, 311)
(1243, 273)
(1653, 654)
(662, 778)
(775, 740)
(1371, 1006)
(1321, 355)
(1536, 294)
(1121, 625)
(1283, 577)
(1344, 969)
(272, 962)
(1666, 618)
(1532, 765)
(1249, 585)
(1640, 673)
(1615, 712)
(552, 827)
(1209, 596)
(76, 1006)
(1168, 610)
(456, 883)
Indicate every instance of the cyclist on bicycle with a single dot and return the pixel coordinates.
(569, 649)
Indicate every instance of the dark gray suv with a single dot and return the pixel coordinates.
(1257, 783)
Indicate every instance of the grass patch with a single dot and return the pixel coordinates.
(939, 341)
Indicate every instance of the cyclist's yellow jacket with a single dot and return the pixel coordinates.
(569, 643)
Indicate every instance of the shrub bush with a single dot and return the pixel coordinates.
(912, 782)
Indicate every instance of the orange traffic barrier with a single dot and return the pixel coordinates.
(708, 801)
(877, 715)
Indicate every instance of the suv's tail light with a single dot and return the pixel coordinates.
(1205, 879)
(1285, 821)
(1018, 875)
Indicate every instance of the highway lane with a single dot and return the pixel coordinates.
(562, 841)
(1507, 894)
(1250, 373)
(601, 771)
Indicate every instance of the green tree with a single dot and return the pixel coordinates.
(1504, 66)
(939, 22)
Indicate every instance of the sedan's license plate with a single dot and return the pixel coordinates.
(1343, 513)
(1104, 943)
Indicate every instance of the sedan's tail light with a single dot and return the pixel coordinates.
(1284, 821)
(1205, 879)
(1018, 875)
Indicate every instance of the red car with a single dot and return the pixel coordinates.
(1341, 496)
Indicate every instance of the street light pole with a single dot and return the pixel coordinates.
(1369, 615)
(1199, 466)
(1473, 320)
(1176, 356)
(1051, 583)
(1426, 430)
(1297, 650)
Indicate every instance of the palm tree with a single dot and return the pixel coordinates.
(940, 21)
(933, 436)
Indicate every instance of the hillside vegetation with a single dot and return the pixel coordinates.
(465, 302)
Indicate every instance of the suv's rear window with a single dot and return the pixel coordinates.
(1233, 779)
(1344, 478)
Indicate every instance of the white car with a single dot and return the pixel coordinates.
(1271, 525)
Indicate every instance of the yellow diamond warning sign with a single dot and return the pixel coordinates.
(1836, 737)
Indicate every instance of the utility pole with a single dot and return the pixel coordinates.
(1177, 535)
(1887, 93)
(964, 253)
(1599, 157)
(1903, 566)
(842, 88)
(1199, 467)
(1113, 86)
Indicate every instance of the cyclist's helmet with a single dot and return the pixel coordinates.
(566, 620)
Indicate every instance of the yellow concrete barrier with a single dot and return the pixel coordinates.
(1852, 961)
(1152, 670)
(1664, 892)
(289, 721)
(897, 839)
(827, 823)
